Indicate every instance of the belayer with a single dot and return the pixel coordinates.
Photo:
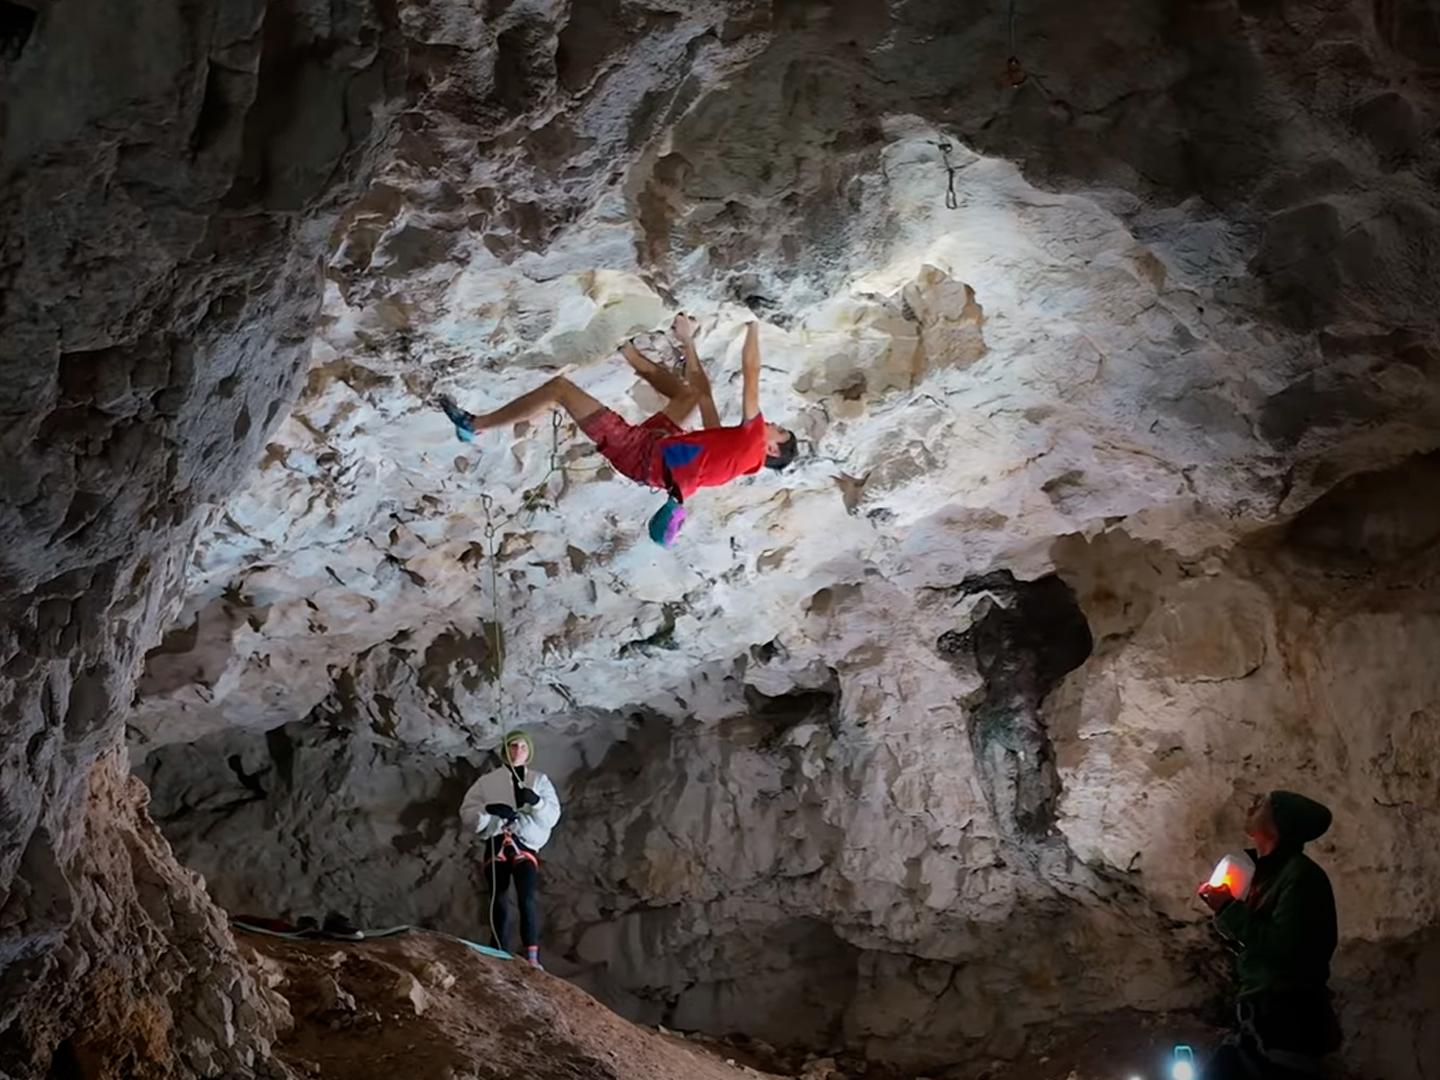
(513, 837)
(1284, 931)
(659, 452)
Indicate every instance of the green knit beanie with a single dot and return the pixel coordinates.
(517, 737)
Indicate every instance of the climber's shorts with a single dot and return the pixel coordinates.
(632, 448)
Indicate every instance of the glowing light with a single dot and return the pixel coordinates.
(1182, 1063)
(1235, 872)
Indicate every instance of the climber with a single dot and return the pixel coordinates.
(1285, 933)
(513, 837)
(659, 452)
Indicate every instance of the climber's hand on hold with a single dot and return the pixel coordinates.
(684, 329)
(500, 810)
(1215, 896)
(528, 797)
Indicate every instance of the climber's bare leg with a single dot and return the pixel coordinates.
(558, 392)
(666, 382)
(684, 330)
(683, 397)
(682, 406)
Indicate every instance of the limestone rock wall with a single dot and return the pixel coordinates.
(1124, 341)
(170, 179)
(805, 868)
(847, 748)
(924, 743)
(168, 176)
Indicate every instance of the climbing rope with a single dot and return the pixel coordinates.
(1014, 72)
(497, 645)
(492, 527)
(495, 524)
(1015, 75)
(495, 634)
(496, 640)
(497, 653)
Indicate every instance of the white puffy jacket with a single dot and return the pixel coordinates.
(532, 823)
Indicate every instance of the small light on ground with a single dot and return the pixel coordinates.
(1182, 1070)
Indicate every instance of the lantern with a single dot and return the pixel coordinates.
(1235, 871)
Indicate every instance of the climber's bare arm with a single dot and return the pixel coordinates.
(750, 371)
(684, 329)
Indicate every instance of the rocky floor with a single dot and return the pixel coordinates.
(428, 1007)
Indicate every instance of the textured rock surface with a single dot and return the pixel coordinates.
(158, 981)
(847, 766)
(973, 382)
(929, 734)
(162, 203)
(790, 866)
(433, 1007)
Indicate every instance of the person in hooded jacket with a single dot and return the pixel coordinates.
(1285, 933)
(513, 837)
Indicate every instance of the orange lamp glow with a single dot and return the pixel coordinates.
(1236, 872)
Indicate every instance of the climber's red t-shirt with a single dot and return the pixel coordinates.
(713, 456)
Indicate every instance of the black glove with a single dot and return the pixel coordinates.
(500, 810)
(528, 797)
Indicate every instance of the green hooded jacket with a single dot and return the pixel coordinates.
(1285, 927)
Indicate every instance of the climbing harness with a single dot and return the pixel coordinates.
(510, 851)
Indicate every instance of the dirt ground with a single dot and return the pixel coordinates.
(426, 1007)
(1114, 1047)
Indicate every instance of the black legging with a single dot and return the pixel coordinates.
(526, 877)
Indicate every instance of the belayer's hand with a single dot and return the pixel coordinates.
(528, 797)
(500, 810)
(1216, 896)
